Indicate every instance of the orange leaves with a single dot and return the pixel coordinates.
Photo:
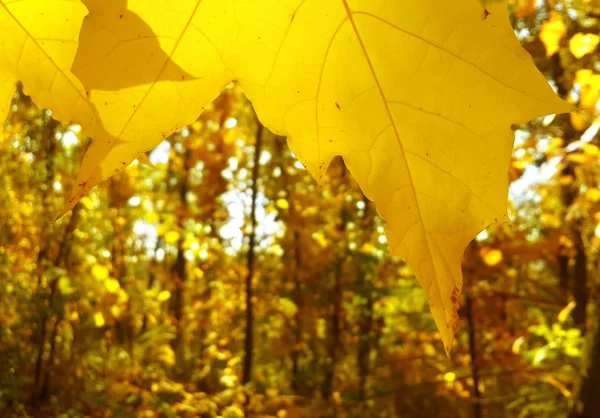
(523, 8)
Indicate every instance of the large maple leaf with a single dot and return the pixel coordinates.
(417, 96)
(37, 47)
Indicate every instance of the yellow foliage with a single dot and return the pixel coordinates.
(164, 295)
(152, 217)
(99, 272)
(552, 33)
(590, 150)
(449, 377)
(593, 195)
(287, 307)
(551, 220)
(579, 121)
(39, 52)
(367, 248)
(282, 204)
(112, 285)
(564, 313)
(589, 91)
(99, 319)
(233, 411)
(165, 354)
(171, 237)
(417, 96)
(583, 43)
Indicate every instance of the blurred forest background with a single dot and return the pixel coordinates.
(222, 281)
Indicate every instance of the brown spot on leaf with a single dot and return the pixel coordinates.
(486, 13)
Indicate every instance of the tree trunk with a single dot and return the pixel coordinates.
(580, 292)
(364, 346)
(179, 267)
(297, 319)
(41, 375)
(587, 397)
(177, 303)
(336, 318)
(477, 413)
(249, 332)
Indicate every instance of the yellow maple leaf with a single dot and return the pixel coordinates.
(416, 96)
(37, 48)
(38, 44)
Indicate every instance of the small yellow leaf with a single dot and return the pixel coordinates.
(164, 295)
(555, 145)
(564, 313)
(579, 121)
(152, 217)
(566, 179)
(590, 150)
(367, 248)
(491, 256)
(449, 377)
(589, 88)
(551, 34)
(520, 164)
(115, 311)
(87, 203)
(576, 157)
(282, 204)
(112, 285)
(99, 272)
(593, 195)
(233, 411)
(166, 354)
(517, 344)
(144, 160)
(583, 43)
(550, 220)
(171, 237)
(99, 319)
(288, 307)
(540, 356)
